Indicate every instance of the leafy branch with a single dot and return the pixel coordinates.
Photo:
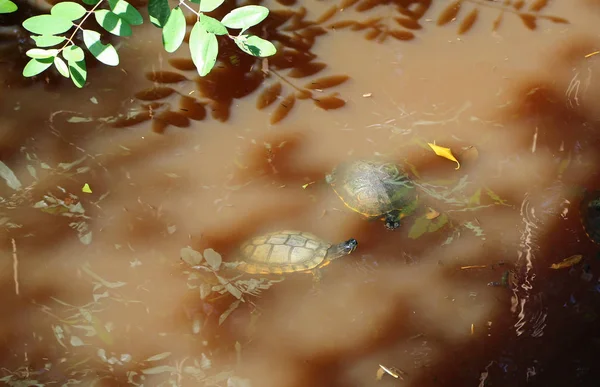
(118, 20)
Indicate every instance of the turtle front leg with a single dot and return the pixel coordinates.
(317, 276)
(392, 220)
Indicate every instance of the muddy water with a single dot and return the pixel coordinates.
(102, 295)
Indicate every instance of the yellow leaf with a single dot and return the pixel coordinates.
(432, 214)
(567, 262)
(86, 188)
(444, 152)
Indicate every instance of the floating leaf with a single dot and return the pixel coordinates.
(213, 258)
(112, 23)
(68, 10)
(255, 46)
(227, 312)
(165, 77)
(36, 66)
(444, 152)
(126, 11)
(245, 17)
(528, 20)
(105, 53)
(212, 25)
(330, 102)
(204, 49)
(174, 30)
(283, 109)
(449, 13)
(567, 262)
(159, 11)
(327, 82)
(468, 21)
(86, 188)
(268, 96)
(47, 25)
(47, 40)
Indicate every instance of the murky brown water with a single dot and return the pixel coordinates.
(97, 294)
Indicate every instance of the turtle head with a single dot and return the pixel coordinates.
(342, 249)
(349, 246)
(392, 221)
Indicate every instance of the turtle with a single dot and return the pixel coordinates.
(589, 212)
(290, 251)
(375, 189)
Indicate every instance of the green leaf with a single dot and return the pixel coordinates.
(7, 6)
(174, 30)
(38, 53)
(47, 24)
(126, 12)
(209, 5)
(47, 40)
(78, 72)
(419, 227)
(73, 54)
(112, 23)
(61, 66)
(91, 2)
(68, 10)
(255, 46)
(245, 17)
(159, 12)
(105, 53)
(36, 66)
(204, 49)
(212, 25)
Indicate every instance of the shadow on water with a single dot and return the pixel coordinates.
(473, 302)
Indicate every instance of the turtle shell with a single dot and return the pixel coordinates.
(372, 188)
(283, 252)
(589, 210)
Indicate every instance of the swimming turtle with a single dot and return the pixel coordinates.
(589, 211)
(374, 189)
(290, 251)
